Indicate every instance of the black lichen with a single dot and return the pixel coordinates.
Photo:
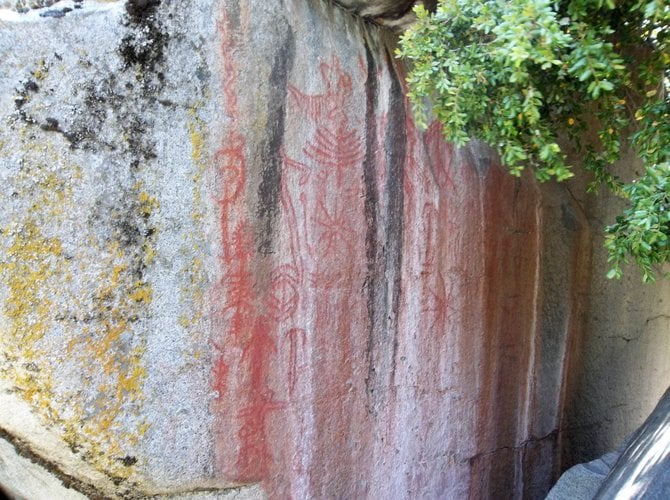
(141, 8)
(128, 460)
(50, 125)
(145, 41)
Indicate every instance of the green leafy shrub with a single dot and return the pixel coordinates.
(519, 74)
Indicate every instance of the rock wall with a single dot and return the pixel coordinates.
(622, 368)
(229, 258)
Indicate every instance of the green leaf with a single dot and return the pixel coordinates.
(519, 74)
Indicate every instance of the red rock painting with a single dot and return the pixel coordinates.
(247, 340)
(360, 340)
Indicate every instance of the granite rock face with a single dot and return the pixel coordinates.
(395, 14)
(643, 468)
(230, 258)
(640, 468)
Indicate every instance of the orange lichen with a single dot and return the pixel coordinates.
(192, 290)
(42, 298)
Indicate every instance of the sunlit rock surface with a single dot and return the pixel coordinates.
(640, 468)
(230, 258)
(643, 468)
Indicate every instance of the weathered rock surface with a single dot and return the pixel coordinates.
(229, 257)
(623, 368)
(24, 479)
(396, 14)
(583, 481)
(640, 469)
(643, 468)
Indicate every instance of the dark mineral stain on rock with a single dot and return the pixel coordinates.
(128, 460)
(23, 95)
(268, 190)
(568, 218)
(141, 8)
(371, 206)
(395, 143)
(31, 86)
(384, 257)
(56, 12)
(145, 40)
(128, 233)
(50, 125)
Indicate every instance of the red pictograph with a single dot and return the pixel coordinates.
(301, 168)
(331, 105)
(336, 229)
(336, 145)
(439, 303)
(230, 158)
(247, 314)
(238, 303)
(254, 459)
(323, 186)
(284, 293)
(320, 238)
(337, 149)
(331, 220)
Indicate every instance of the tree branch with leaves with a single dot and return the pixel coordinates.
(520, 74)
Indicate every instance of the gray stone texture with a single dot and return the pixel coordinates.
(642, 470)
(621, 368)
(639, 469)
(103, 327)
(583, 481)
(20, 478)
(231, 265)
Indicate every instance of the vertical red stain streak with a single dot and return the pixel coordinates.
(440, 154)
(429, 214)
(247, 336)
(220, 376)
(423, 181)
(510, 232)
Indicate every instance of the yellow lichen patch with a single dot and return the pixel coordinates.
(42, 70)
(32, 265)
(192, 291)
(147, 203)
(148, 252)
(142, 292)
(67, 297)
(113, 352)
(197, 135)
